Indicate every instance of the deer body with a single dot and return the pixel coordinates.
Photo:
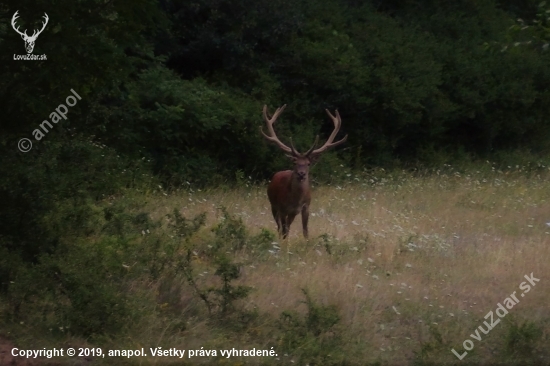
(289, 190)
(289, 196)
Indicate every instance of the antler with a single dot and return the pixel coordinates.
(24, 34)
(272, 137)
(329, 144)
(13, 19)
(43, 26)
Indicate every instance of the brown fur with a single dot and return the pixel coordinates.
(288, 197)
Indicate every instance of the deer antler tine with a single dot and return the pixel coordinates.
(13, 20)
(266, 112)
(338, 118)
(269, 121)
(279, 111)
(263, 133)
(313, 146)
(337, 121)
(335, 118)
(294, 151)
(46, 18)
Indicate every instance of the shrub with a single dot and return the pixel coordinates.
(315, 337)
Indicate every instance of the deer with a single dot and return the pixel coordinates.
(29, 41)
(289, 191)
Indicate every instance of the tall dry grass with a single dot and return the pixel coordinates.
(417, 260)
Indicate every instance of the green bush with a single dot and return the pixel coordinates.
(230, 233)
(315, 337)
(522, 339)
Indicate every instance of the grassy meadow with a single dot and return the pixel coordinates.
(412, 262)
(401, 267)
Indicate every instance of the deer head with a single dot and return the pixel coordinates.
(29, 40)
(302, 161)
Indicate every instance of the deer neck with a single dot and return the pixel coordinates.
(298, 186)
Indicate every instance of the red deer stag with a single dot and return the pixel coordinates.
(289, 191)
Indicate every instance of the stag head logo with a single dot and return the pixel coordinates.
(29, 40)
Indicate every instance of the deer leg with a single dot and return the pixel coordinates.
(285, 226)
(289, 220)
(305, 219)
(277, 218)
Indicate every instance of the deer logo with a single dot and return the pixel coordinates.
(289, 190)
(29, 40)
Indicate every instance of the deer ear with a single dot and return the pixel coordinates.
(291, 157)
